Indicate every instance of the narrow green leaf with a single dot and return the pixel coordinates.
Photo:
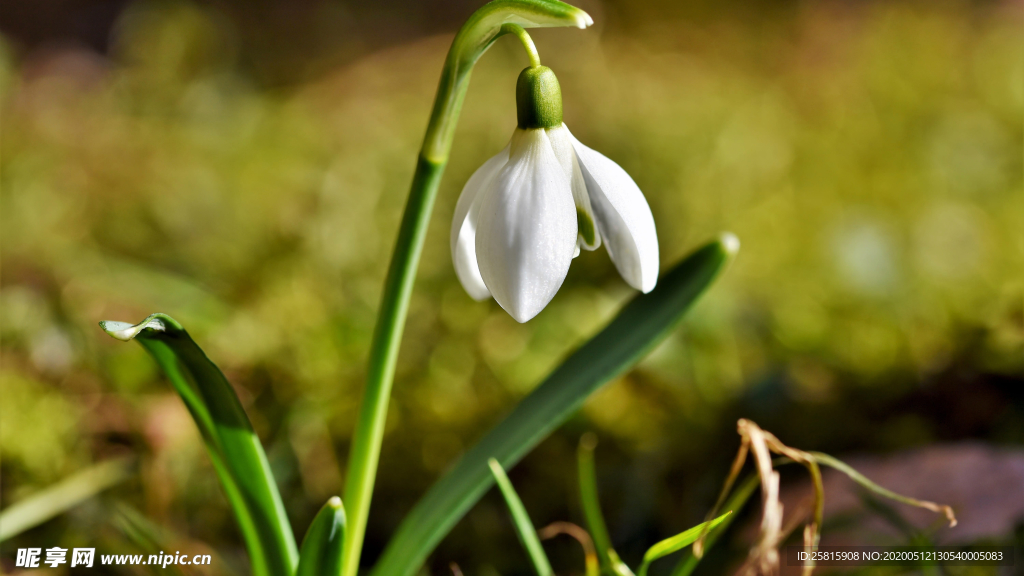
(607, 555)
(233, 446)
(678, 542)
(734, 504)
(321, 551)
(62, 496)
(521, 520)
(638, 328)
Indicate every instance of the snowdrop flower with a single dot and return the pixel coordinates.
(526, 213)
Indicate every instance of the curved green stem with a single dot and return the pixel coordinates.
(527, 42)
(475, 36)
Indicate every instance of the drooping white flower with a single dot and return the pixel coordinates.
(526, 213)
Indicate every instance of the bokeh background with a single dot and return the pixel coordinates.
(243, 167)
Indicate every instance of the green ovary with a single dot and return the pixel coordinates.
(586, 226)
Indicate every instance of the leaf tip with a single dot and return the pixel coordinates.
(588, 441)
(583, 20)
(121, 330)
(948, 511)
(730, 243)
(125, 332)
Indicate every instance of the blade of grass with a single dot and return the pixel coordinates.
(322, 547)
(147, 536)
(825, 459)
(890, 516)
(524, 526)
(143, 535)
(138, 529)
(678, 542)
(591, 504)
(638, 328)
(236, 452)
(735, 503)
(591, 565)
(62, 496)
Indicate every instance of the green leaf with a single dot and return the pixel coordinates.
(321, 551)
(521, 520)
(638, 328)
(233, 446)
(734, 504)
(678, 542)
(607, 555)
(62, 496)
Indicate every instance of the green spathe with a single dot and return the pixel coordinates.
(538, 98)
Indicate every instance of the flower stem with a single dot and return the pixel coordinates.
(474, 38)
(524, 38)
(369, 432)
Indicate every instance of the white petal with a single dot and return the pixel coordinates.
(623, 218)
(562, 143)
(463, 236)
(526, 228)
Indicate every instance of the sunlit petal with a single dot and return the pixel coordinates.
(526, 227)
(463, 235)
(624, 219)
(562, 144)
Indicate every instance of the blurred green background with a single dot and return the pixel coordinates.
(242, 167)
